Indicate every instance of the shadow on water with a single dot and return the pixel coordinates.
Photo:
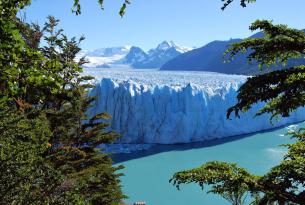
(159, 148)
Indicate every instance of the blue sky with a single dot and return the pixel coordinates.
(148, 22)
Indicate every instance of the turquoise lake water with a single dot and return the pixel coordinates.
(147, 172)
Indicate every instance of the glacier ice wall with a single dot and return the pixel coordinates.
(176, 107)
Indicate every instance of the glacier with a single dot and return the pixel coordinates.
(165, 107)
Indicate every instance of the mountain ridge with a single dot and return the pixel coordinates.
(134, 56)
(210, 58)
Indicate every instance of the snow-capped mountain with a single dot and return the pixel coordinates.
(108, 52)
(156, 57)
(134, 56)
(210, 58)
(105, 57)
(165, 45)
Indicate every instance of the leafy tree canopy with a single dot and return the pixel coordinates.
(282, 90)
(243, 3)
(77, 6)
(227, 180)
(283, 184)
(48, 144)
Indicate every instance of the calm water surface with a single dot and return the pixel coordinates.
(147, 172)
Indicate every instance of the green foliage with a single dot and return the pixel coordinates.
(229, 181)
(77, 7)
(123, 8)
(282, 90)
(285, 183)
(48, 145)
(279, 44)
(25, 175)
(13, 52)
(243, 3)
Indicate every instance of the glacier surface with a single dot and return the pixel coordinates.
(164, 107)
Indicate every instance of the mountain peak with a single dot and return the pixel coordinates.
(166, 45)
(134, 56)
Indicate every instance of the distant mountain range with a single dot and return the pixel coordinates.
(105, 57)
(210, 58)
(134, 56)
(170, 56)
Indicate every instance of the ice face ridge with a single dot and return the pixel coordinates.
(164, 110)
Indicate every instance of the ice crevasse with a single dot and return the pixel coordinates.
(176, 107)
